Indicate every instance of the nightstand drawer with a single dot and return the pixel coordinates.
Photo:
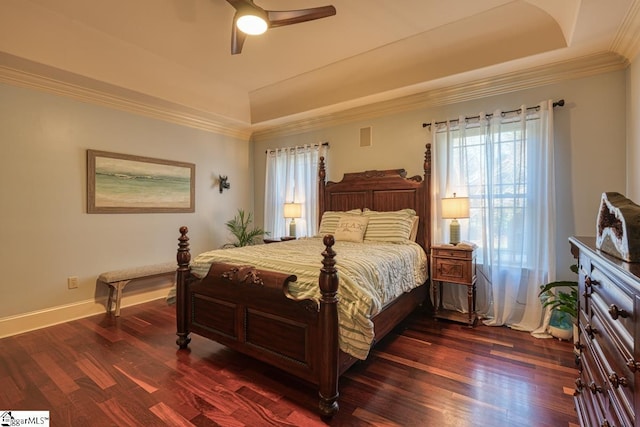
(451, 270)
(452, 253)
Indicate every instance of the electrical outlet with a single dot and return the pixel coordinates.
(72, 282)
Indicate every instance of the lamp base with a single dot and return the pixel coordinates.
(292, 228)
(454, 232)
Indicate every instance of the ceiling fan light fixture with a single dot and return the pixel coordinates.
(251, 22)
(251, 19)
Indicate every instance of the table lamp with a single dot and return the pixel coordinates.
(293, 211)
(455, 208)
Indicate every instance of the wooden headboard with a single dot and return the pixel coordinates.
(381, 190)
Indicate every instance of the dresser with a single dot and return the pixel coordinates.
(608, 338)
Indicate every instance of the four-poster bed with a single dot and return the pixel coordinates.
(256, 310)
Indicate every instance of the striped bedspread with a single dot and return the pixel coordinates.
(371, 275)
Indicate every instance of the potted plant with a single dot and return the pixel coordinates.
(562, 298)
(239, 227)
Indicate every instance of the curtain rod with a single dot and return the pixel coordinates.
(271, 150)
(559, 103)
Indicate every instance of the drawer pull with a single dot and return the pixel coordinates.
(578, 345)
(590, 330)
(579, 385)
(633, 365)
(617, 381)
(615, 312)
(595, 388)
(590, 282)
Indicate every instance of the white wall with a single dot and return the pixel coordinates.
(633, 131)
(46, 233)
(589, 137)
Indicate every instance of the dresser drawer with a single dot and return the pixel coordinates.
(620, 381)
(615, 305)
(584, 263)
(592, 388)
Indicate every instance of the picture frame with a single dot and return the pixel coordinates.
(124, 183)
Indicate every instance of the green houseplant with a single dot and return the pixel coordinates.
(562, 298)
(239, 227)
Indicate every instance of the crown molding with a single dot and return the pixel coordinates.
(19, 72)
(627, 39)
(480, 88)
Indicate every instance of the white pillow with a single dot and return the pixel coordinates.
(330, 220)
(393, 226)
(407, 211)
(414, 228)
(351, 228)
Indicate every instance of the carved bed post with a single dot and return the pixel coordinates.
(329, 344)
(183, 257)
(322, 180)
(427, 198)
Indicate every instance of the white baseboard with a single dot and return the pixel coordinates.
(26, 322)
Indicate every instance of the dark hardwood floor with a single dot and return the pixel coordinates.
(126, 371)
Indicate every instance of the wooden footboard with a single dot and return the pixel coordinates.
(252, 311)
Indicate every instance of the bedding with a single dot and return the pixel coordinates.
(371, 273)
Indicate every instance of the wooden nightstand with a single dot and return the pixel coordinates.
(456, 265)
(280, 239)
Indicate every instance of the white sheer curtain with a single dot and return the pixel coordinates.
(292, 177)
(504, 163)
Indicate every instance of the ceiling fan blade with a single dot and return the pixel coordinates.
(237, 39)
(240, 3)
(279, 18)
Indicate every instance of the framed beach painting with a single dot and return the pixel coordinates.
(122, 183)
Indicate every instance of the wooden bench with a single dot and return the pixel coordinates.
(118, 279)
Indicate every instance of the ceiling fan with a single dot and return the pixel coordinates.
(252, 19)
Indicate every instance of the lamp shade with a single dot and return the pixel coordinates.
(292, 210)
(455, 207)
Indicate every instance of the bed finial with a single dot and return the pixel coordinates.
(322, 173)
(322, 181)
(184, 256)
(427, 159)
(329, 329)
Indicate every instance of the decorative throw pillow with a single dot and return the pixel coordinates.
(393, 226)
(330, 220)
(351, 228)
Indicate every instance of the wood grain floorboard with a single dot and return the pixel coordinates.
(127, 371)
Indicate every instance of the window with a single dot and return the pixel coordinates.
(292, 177)
(504, 163)
(494, 176)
